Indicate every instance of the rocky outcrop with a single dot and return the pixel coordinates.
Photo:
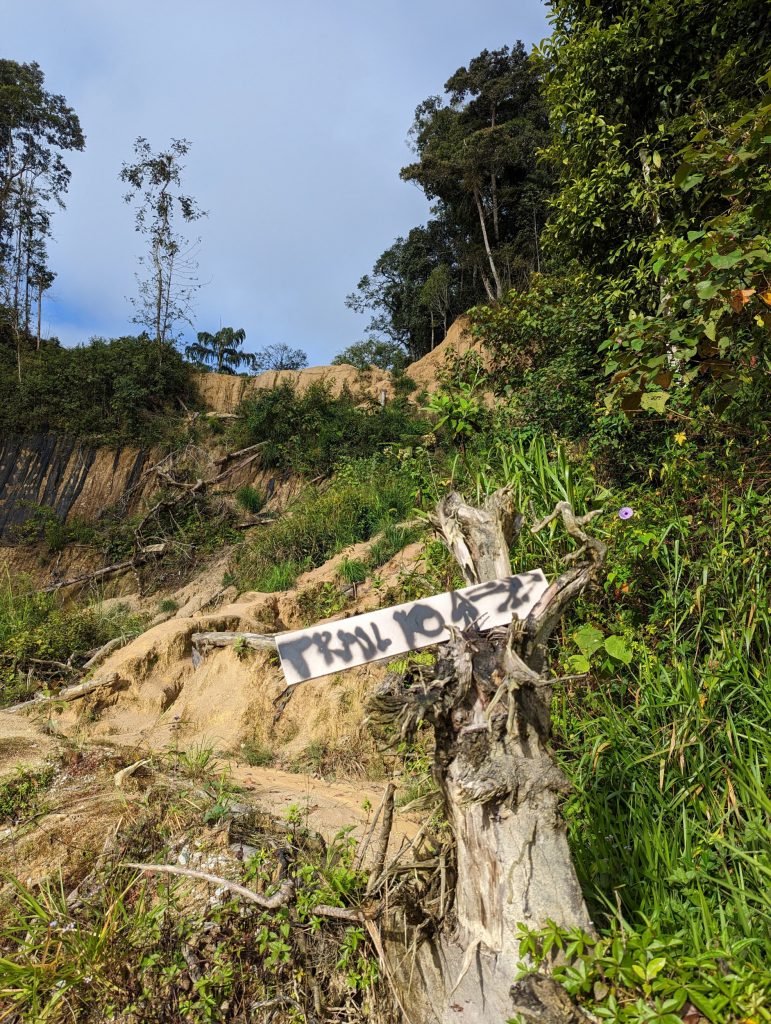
(67, 477)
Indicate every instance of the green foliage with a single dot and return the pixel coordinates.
(404, 315)
(653, 198)
(321, 602)
(318, 525)
(38, 627)
(21, 795)
(221, 351)
(117, 392)
(715, 268)
(43, 524)
(257, 754)
(477, 154)
(129, 947)
(36, 127)
(312, 431)
(167, 281)
(250, 499)
(384, 355)
(544, 345)
(631, 976)
(352, 571)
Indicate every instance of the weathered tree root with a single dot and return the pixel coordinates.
(487, 700)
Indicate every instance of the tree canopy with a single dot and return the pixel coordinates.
(36, 128)
(221, 351)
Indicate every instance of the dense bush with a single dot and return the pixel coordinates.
(312, 431)
(118, 391)
(544, 347)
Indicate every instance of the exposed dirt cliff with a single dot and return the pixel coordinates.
(221, 392)
(70, 478)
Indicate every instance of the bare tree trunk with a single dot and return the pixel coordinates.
(39, 315)
(494, 196)
(488, 250)
(489, 705)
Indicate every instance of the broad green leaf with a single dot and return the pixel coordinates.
(654, 401)
(724, 261)
(617, 648)
(706, 290)
(578, 664)
(589, 639)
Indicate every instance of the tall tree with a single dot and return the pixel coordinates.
(168, 281)
(394, 290)
(477, 153)
(36, 128)
(279, 356)
(222, 351)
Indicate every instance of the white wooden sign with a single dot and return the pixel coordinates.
(318, 651)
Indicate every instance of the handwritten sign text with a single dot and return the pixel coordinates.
(317, 651)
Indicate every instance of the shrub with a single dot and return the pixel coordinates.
(120, 391)
(249, 498)
(21, 795)
(38, 627)
(311, 432)
(352, 571)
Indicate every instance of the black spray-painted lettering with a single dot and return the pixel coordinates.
(414, 623)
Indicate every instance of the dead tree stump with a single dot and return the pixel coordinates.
(489, 706)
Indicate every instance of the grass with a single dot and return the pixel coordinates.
(257, 754)
(39, 633)
(319, 525)
(250, 498)
(141, 948)
(669, 754)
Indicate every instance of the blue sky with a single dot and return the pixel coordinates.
(298, 115)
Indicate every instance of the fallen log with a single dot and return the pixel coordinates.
(154, 550)
(104, 652)
(98, 574)
(67, 694)
(255, 641)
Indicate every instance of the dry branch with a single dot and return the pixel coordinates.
(255, 641)
(104, 652)
(381, 849)
(279, 899)
(67, 694)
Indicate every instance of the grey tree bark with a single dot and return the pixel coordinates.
(489, 707)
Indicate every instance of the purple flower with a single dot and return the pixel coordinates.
(626, 512)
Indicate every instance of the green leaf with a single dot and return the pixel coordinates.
(617, 648)
(691, 181)
(589, 639)
(656, 966)
(578, 664)
(706, 290)
(655, 401)
(724, 261)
